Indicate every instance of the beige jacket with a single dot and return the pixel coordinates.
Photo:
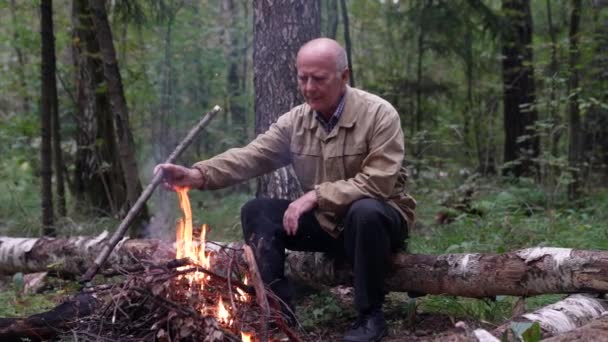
(361, 157)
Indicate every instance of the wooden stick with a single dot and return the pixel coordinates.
(260, 290)
(145, 195)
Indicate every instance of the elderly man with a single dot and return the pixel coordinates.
(346, 147)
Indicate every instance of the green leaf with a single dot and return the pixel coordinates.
(519, 328)
(526, 331)
(533, 334)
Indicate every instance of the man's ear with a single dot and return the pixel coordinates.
(345, 75)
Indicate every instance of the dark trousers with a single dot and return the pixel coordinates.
(372, 230)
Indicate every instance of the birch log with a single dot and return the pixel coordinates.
(595, 331)
(72, 256)
(526, 272)
(563, 316)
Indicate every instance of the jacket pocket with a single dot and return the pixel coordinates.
(352, 159)
(307, 164)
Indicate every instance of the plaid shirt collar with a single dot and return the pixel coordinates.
(328, 125)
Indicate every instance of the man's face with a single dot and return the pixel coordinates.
(320, 83)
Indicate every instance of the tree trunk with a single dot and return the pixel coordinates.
(126, 145)
(553, 106)
(332, 19)
(526, 272)
(575, 146)
(522, 144)
(280, 28)
(58, 157)
(563, 316)
(49, 89)
(596, 119)
(72, 256)
(235, 49)
(347, 42)
(99, 182)
(595, 331)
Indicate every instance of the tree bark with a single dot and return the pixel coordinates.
(347, 42)
(526, 272)
(596, 119)
(595, 331)
(126, 145)
(331, 23)
(49, 88)
(521, 144)
(561, 317)
(72, 256)
(575, 146)
(99, 181)
(553, 67)
(279, 29)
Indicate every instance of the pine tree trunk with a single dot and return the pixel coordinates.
(521, 144)
(99, 182)
(126, 145)
(596, 119)
(332, 19)
(347, 42)
(575, 146)
(58, 157)
(280, 28)
(46, 113)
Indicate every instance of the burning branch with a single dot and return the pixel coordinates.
(145, 195)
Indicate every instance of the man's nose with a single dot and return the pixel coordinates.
(309, 84)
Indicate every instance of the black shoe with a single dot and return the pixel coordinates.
(367, 328)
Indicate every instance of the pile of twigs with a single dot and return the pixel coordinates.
(158, 302)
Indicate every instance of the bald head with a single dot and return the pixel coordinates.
(327, 49)
(322, 74)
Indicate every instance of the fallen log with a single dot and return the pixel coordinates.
(560, 317)
(526, 272)
(594, 331)
(72, 256)
(46, 325)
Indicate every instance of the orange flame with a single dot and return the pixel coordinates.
(185, 247)
(246, 337)
(242, 296)
(222, 314)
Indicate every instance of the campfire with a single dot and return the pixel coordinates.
(202, 295)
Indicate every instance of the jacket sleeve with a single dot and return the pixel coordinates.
(379, 170)
(268, 152)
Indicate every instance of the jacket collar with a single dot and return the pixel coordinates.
(347, 119)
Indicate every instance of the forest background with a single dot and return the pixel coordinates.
(504, 105)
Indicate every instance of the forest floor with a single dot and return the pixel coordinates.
(497, 215)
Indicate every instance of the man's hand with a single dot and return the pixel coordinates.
(295, 209)
(179, 176)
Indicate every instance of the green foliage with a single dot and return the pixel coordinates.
(526, 331)
(14, 305)
(322, 309)
(488, 310)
